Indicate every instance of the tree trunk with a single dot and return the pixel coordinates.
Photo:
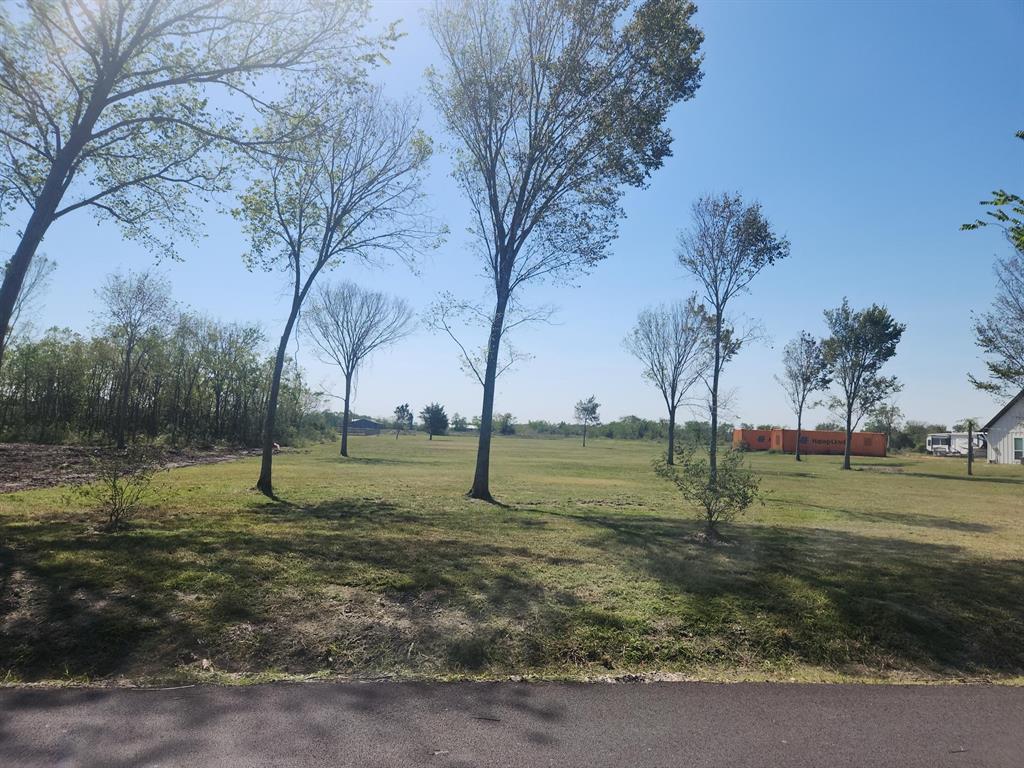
(122, 401)
(345, 416)
(430, 435)
(265, 483)
(671, 458)
(481, 478)
(849, 439)
(45, 207)
(584, 434)
(799, 429)
(713, 447)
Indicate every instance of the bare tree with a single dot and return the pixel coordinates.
(861, 343)
(804, 372)
(348, 324)
(135, 305)
(349, 189)
(36, 281)
(106, 105)
(672, 343)
(586, 414)
(556, 106)
(728, 245)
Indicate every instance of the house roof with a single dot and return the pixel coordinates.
(1002, 413)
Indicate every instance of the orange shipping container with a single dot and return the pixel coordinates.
(752, 439)
(814, 441)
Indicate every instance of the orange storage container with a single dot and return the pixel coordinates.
(815, 441)
(752, 439)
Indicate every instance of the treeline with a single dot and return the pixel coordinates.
(625, 428)
(196, 380)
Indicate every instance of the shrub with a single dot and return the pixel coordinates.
(734, 490)
(121, 480)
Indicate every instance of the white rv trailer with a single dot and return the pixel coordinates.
(954, 444)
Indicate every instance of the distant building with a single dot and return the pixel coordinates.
(1005, 433)
(364, 427)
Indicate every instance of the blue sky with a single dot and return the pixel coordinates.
(869, 131)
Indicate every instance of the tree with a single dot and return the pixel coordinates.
(459, 423)
(135, 305)
(829, 426)
(804, 372)
(348, 190)
(106, 106)
(860, 345)
(1006, 212)
(556, 106)
(1000, 331)
(720, 499)
(506, 424)
(728, 245)
(348, 323)
(885, 418)
(36, 281)
(403, 419)
(586, 414)
(435, 420)
(672, 343)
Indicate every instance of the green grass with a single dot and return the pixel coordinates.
(904, 570)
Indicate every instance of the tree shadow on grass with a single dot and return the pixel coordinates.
(965, 478)
(351, 586)
(836, 599)
(915, 520)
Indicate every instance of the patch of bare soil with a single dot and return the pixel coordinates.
(24, 466)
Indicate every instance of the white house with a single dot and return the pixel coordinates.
(1006, 433)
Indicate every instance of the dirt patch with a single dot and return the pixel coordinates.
(24, 466)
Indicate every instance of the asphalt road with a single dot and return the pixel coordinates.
(512, 724)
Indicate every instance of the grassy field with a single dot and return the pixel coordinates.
(904, 570)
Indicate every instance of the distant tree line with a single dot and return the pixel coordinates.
(151, 372)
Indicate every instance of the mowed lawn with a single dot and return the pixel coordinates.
(378, 566)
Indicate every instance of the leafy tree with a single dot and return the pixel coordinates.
(348, 324)
(1007, 213)
(885, 418)
(193, 380)
(346, 187)
(506, 424)
(1000, 331)
(829, 426)
(727, 246)
(556, 106)
(720, 499)
(804, 372)
(106, 106)
(135, 306)
(459, 423)
(672, 343)
(862, 342)
(914, 433)
(586, 414)
(403, 419)
(435, 420)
